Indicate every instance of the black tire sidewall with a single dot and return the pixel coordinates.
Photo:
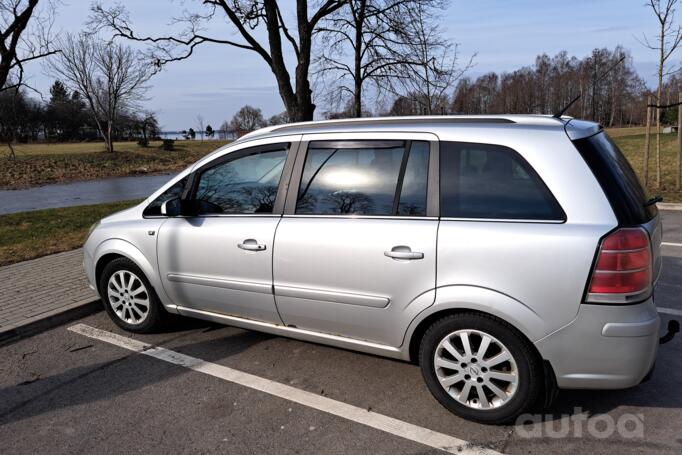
(527, 362)
(156, 312)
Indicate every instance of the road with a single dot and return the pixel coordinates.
(80, 193)
(64, 392)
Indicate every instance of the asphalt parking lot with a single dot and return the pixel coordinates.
(64, 392)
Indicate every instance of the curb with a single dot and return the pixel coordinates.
(49, 319)
(676, 206)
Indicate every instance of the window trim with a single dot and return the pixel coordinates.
(401, 177)
(432, 195)
(457, 145)
(152, 217)
(290, 147)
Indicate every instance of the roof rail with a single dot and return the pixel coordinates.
(391, 121)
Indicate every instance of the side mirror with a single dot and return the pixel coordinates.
(172, 207)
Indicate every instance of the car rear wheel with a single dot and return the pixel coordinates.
(129, 298)
(480, 368)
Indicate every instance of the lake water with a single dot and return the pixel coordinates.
(177, 135)
(81, 193)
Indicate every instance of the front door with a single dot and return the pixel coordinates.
(355, 253)
(221, 259)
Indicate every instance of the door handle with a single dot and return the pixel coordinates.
(251, 245)
(403, 252)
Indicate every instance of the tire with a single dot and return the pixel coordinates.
(518, 380)
(125, 302)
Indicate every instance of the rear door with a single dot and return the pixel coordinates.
(355, 252)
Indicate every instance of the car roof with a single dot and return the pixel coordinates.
(574, 128)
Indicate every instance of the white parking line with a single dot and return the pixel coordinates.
(671, 244)
(669, 311)
(371, 419)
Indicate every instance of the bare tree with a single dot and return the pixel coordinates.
(548, 85)
(279, 119)
(250, 19)
(667, 41)
(147, 124)
(357, 43)
(111, 77)
(248, 118)
(429, 65)
(24, 36)
(200, 124)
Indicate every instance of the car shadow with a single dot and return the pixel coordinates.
(98, 382)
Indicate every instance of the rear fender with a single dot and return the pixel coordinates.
(464, 297)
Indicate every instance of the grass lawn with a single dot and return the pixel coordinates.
(30, 235)
(632, 145)
(40, 164)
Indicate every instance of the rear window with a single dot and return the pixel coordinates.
(617, 178)
(484, 181)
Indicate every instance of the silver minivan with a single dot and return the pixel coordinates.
(510, 256)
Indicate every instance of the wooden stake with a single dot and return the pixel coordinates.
(679, 142)
(645, 173)
(658, 144)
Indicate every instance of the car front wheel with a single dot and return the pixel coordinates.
(129, 298)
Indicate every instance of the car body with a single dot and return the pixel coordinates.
(503, 217)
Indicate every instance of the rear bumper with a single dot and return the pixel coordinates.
(605, 347)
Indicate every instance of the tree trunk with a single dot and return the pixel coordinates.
(108, 138)
(12, 153)
(357, 69)
(647, 136)
(298, 104)
(304, 94)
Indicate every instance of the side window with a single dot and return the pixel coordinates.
(350, 178)
(490, 181)
(413, 191)
(154, 209)
(361, 178)
(243, 185)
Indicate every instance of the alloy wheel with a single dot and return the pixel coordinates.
(476, 369)
(128, 297)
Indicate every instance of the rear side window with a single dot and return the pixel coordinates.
(379, 178)
(617, 178)
(492, 182)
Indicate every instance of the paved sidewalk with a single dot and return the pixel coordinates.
(42, 289)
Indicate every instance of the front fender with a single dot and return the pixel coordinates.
(464, 297)
(124, 248)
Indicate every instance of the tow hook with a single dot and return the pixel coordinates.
(673, 328)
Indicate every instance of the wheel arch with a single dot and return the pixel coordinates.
(461, 299)
(109, 250)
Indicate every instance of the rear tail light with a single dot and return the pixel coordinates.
(622, 272)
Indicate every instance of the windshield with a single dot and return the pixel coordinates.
(617, 178)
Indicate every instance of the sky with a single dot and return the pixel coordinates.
(503, 34)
